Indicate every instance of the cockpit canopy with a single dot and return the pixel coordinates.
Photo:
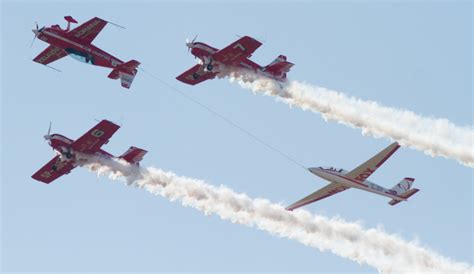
(339, 170)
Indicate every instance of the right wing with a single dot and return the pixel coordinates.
(95, 138)
(89, 30)
(49, 55)
(320, 194)
(362, 172)
(195, 75)
(237, 51)
(46, 174)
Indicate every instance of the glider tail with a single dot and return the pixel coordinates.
(403, 190)
(133, 155)
(279, 67)
(126, 72)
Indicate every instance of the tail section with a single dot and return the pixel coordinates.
(279, 67)
(133, 155)
(126, 72)
(403, 190)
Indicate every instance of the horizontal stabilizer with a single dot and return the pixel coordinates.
(133, 155)
(130, 65)
(404, 196)
(126, 72)
(279, 67)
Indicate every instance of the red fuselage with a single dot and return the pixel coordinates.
(205, 52)
(62, 145)
(84, 52)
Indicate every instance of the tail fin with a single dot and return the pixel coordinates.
(126, 72)
(403, 190)
(403, 186)
(133, 155)
(279, 67)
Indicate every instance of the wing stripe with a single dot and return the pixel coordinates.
(314, 200)
(388, 156)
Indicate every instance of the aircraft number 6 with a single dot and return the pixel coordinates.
(97, 133)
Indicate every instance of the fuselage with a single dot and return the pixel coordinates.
(62, 145)
(83, 52)
(205, 52)
(337, 175)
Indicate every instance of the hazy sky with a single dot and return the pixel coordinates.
(415, 56)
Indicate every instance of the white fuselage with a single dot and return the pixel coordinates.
(338, 176)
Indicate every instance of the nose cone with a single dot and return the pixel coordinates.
(35, 31)
(315, 170)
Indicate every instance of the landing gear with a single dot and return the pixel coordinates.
(54, 167)
(68, 155)
(209, 67)
(195, 76)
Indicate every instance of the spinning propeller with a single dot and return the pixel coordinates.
(47, 137)
(36, 31)
(190, 44)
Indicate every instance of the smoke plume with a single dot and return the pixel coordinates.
(387, 253)
(435, 137)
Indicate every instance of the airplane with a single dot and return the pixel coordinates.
(357, 178)
(69, 152)
(235, 56)
(77, 43)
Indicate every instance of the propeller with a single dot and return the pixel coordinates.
(47, 137)
(190, 44)
(36, 32)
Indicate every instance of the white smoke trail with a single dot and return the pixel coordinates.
(435, 137)
(373, 247)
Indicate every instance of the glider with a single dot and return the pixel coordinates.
(357, 178)
(233, 57)
(77, 43)
(68, 151)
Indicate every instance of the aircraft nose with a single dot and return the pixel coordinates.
(35, 31)
(315, 170)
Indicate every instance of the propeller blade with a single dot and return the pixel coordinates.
(190, 44)
(47, 137)
(33, 41)
(36, 32)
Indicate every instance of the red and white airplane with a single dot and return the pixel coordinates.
(357, 178)
(77, 44)
(67, 150)
(235, 56)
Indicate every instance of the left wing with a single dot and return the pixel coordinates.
(89, 30)
(195, 75)
(320, 194)
(362, 172)
(47, 174)
(237, 51)
(95, 138)
(49, 55)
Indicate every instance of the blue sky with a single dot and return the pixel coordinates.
(415, 56)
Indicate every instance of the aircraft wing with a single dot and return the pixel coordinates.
(362, 172)
(89, 30)
(49, 55)
(320, 194)
(46, 174)
(188, 76)
(95, 138)
(237, 51)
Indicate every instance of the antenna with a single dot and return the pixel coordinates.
(117, 25)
